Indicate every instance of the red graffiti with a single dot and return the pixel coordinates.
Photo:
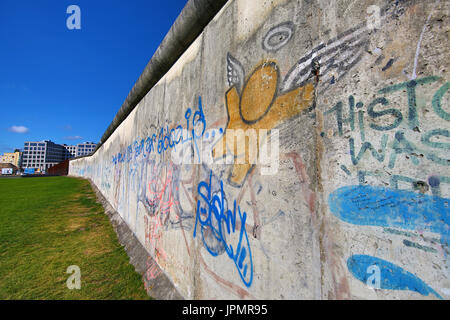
(153, 231)
(153, 271)
(160, 190)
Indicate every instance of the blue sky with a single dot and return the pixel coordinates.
(67, 85)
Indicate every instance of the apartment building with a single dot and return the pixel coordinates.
(41, 155)
(71, 151)
(85, 148)
(14, 158)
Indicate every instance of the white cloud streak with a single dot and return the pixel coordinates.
(73, 138)
(18, 129)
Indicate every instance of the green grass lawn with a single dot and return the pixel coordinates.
(48, 224)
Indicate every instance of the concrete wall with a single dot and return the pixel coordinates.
(358, 205)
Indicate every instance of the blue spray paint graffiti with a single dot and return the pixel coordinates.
(383, 207)
(392, 277)
(168, 138)
(212, 218)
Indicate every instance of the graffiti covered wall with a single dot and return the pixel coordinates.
(296, 150)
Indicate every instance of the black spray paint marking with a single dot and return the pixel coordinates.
(278, 36)
(388, 65)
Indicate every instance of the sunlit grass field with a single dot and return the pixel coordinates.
(50, 223)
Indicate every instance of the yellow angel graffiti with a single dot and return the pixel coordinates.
(258, 106)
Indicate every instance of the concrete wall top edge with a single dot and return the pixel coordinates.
(189, 24)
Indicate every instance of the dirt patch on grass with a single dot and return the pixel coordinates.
(76, 224)
(97, 243)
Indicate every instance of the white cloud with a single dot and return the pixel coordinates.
(73, 138)
(18, 129)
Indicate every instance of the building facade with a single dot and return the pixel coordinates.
(71, 152)
(41, 155)
(12, 157)
(8, 169)
(85, 148)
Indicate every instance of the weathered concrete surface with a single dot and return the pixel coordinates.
(358, 207)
